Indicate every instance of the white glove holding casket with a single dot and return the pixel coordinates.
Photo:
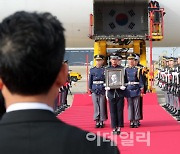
(107, 88)
(122, 87)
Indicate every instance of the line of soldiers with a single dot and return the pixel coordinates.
(169, 81)
(61, 103)
(133, 88)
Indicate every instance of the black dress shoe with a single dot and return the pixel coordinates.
(114, 131)
(119, 131)
(101, 124)
(131, 125)
(177, 115)
(136, 126)
(66, 105)
(168, 108)
(174, 113)
(97, 125)
(165, 106)
(178, 118)
(62, 109)
(139, 124)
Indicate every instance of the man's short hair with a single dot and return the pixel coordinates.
(32, 48)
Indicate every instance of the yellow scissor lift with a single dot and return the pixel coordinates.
(116, 22)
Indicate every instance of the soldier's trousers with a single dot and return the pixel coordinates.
(116, 106)
(63, 98)
(176, 103)
(167, 99)
(99, 102)
(134, 108)
(171, 99)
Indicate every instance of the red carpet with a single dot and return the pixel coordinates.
(158, 134)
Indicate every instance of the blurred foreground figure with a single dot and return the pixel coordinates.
(32, 47)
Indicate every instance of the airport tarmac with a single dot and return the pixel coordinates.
(79, 86)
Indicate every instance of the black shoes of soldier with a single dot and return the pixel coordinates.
(114, 131)
(174, 112)
(99, 124)
(66, 106)
(131, 124)
(117, 131)
(177, 114)
(166, 106)
(135, 124)
(139, 124)
(178, 118)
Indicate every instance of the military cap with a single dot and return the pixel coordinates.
(171, 59)
(167, 59)
(99, 57)
(114, 55)
(131, 56)
(164, 57)
(120, 57)
(137, 57)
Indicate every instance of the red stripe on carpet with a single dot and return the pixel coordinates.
(163, 130)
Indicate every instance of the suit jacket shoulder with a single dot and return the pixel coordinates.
(39, 131)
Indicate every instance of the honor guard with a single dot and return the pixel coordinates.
(143, 71)
(178, 87)
(169, 77)
(172, 87)
(134, 88)
(61, 102)
(175, 87)
(161, 73)
(116, 97)
(164, 79)
(96, 86)
(176, 84)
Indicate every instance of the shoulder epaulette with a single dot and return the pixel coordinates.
(139, 67)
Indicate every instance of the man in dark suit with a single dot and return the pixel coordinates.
(32, 49)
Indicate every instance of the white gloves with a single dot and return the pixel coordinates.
(107, 88)
(122, 87)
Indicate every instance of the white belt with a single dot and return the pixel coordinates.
(98, 82)
(132, 83)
